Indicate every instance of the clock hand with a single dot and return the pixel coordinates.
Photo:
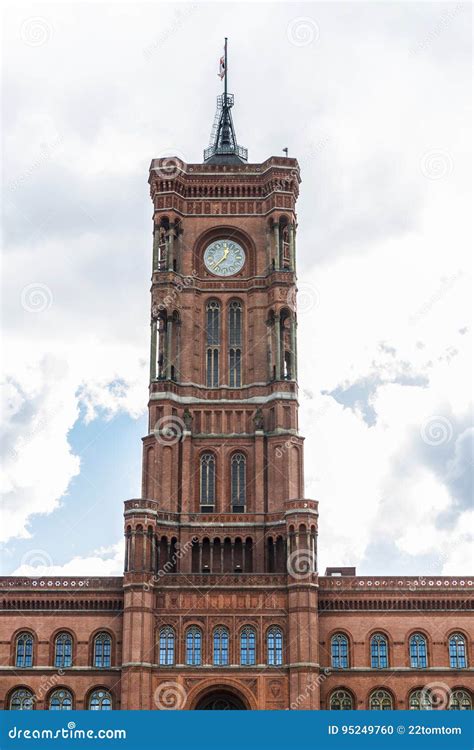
(226, 253)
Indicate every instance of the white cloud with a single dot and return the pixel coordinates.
(105, 561)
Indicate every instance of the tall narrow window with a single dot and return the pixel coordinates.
(235, 344)
(339, 651)
(274, 646)
(193, 646)
(63, 650)
(457, 651)
(418, 651)
(102, 650)
(238, 483)
(212, 343)
(208, 482)
(221, 647)
(24, 650)
(378, 651)
(248, 641)
(166, 646)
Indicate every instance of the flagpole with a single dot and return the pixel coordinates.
(225, 71)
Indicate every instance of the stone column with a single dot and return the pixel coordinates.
(277, 347)
(170, 247)
(169, 347)
(259, 483)
(156, 248)
(276, 242)
(293, 347)
(153, 326)
(291, 232)
(269, 326)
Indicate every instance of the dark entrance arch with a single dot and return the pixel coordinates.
(221, 700)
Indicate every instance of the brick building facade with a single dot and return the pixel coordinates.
(220, 604)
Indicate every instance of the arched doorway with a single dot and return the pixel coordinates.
(221, 700)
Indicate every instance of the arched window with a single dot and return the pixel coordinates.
(102, 650)
(100, 700)
(248, 642)
(208, 482)
(339, 651)
(380, 700)
(418, 651)
(221, 647)
(378, 651)
(420, 700)
(63, 650)
(460, 700)
(274, 646)
(166, 646)
(24, 650)
(238, 493)
(457, 651)
(235, 344)
(193, 646)
(212, 343)
(60, 700)
(340, 700)
(21, 700)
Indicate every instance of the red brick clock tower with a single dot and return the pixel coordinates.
(220, 569)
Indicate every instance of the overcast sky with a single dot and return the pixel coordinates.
(374, 101)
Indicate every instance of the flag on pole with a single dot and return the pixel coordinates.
(221, 72)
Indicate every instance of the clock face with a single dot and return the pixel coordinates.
(224, 257)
